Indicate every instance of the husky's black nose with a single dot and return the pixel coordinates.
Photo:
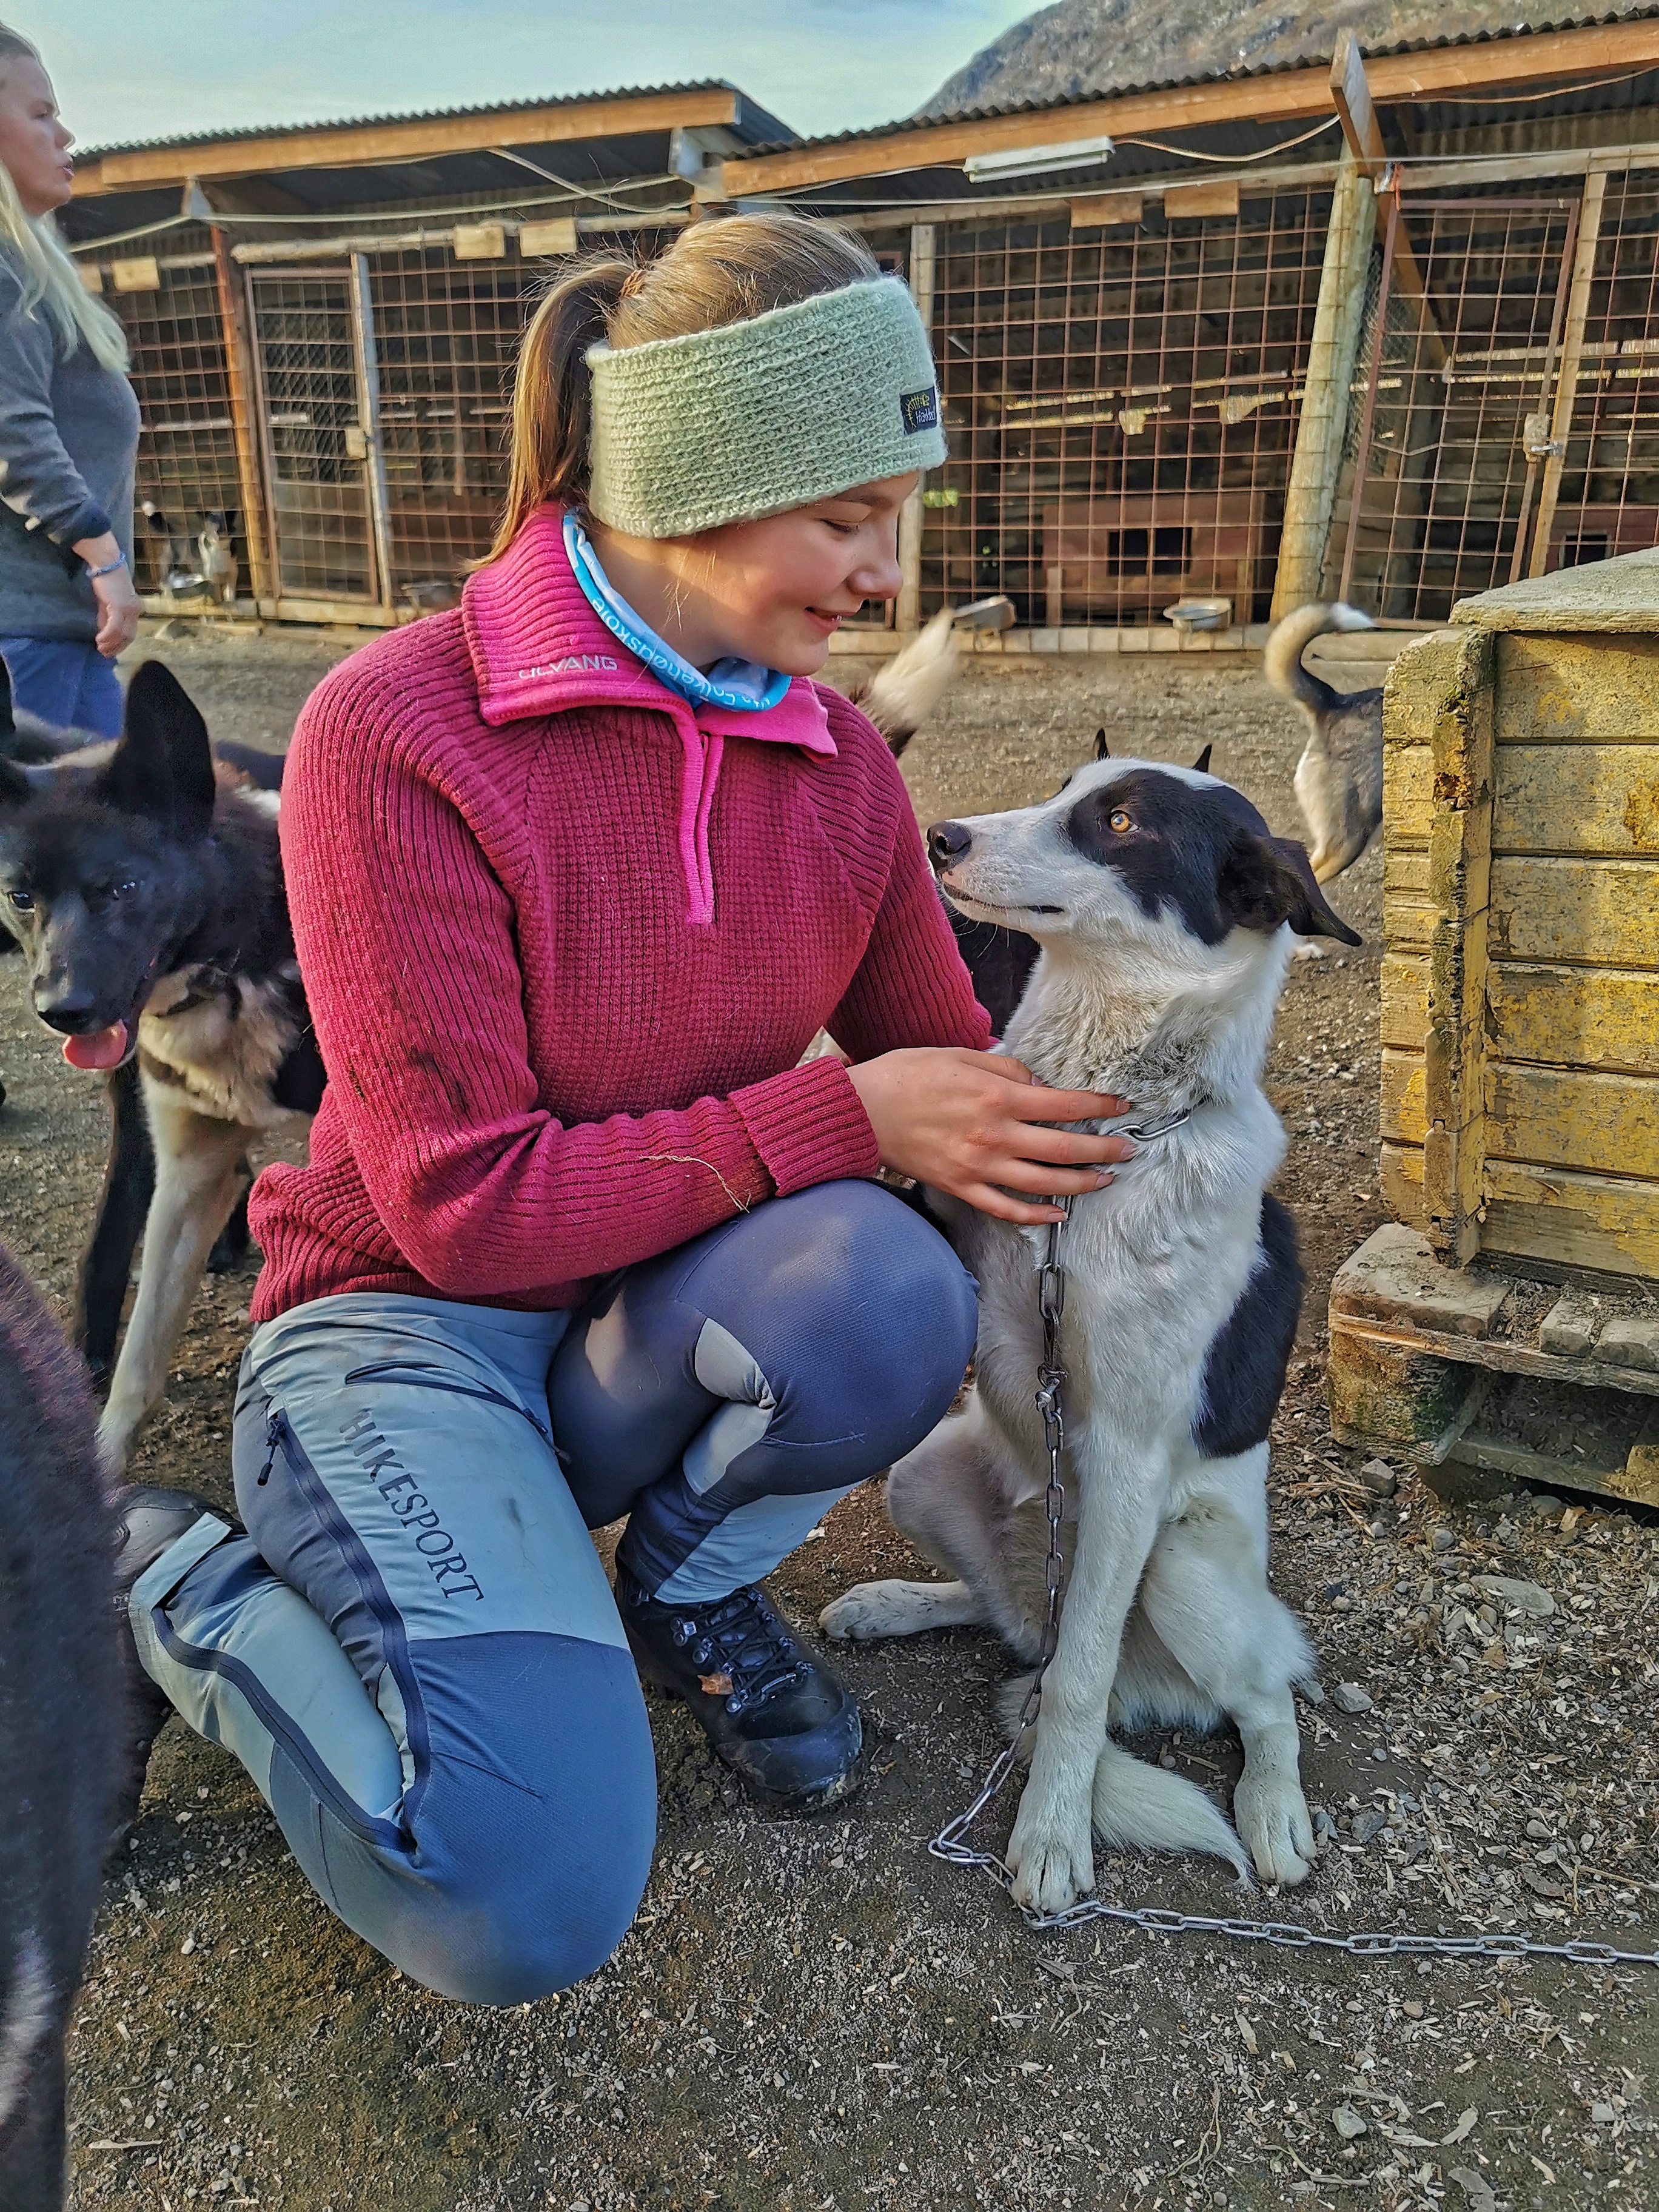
(948, 841)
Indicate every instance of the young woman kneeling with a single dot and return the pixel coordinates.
(577, 871)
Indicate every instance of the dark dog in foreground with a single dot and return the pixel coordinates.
(61, 1704)
(148, 898)
(1338, 778)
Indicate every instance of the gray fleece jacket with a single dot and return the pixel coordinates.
(69, 437)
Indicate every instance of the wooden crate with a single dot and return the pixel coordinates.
(1520, 1026)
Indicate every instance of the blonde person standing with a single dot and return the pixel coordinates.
(69, 431)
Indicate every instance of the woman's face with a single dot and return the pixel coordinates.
(33, 144)
(774, 592)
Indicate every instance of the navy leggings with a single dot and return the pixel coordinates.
(414, 1650)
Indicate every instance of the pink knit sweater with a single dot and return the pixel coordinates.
(565, 940)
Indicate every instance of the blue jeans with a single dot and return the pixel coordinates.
(414, 1650)
(64, 683)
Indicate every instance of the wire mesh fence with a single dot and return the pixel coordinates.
(1121, 403)
(1121, 390)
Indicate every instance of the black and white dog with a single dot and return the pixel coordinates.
(1164, 911)
(60, 1724)
(148, 900)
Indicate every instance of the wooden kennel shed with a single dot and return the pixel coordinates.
(1250, 337)
(324, 320)
(1508, 1317)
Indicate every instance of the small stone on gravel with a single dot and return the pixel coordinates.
(1372, 1822)
(1528, 1598)
(1379, 1478)
(1443, 1540)
(1349, 1698)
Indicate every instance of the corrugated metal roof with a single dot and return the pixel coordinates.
(877, 131)
(748, 112)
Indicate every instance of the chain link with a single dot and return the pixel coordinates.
(951, 1843)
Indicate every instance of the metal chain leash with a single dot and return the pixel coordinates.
(951, 1843)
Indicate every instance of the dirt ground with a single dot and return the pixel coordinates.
(816, 2013)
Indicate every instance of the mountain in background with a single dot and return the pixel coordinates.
(1090, 46)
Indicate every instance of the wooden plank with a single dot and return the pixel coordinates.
(1327, 385)
(1601, 913)
(1408, 795)
(1406, 871)
(1400, 1167)
(344, 145)
(1215, 195)
(1404, 1113)
(1460, 870)
(1282, 95)
(1497, 1354)
(1352, 97)
(1097, 210)
(1575, 690)
(1408, 921)
(1572, 1220)
(1590, 799)
(907, 614)
(1587, 1017)
(1404, 1020)
(232, 287)
(1565, 1117)
(1572, 347)
(1414, 691)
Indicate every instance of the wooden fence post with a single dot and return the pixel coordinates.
(1572, 348)
(1316, 462)
(907, 614)
(243, 418)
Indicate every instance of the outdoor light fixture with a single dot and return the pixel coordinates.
(1037, 160)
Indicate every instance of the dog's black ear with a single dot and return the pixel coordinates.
(15, 786)
(1201, 765)
(1267, 881)
(163, 766)
(1102, 750)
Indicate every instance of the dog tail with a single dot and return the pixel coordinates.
(1281, 658)
(1141, 1808)
(904, 691)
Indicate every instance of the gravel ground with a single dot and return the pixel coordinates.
(816, 2015)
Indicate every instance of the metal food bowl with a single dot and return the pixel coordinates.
(1200, 614)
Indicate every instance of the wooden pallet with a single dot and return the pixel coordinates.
(1495, 1370)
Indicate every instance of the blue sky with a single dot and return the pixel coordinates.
(124, 72)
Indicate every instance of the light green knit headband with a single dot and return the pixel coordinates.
(758, 416)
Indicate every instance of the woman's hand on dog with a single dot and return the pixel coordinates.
(982, 1128)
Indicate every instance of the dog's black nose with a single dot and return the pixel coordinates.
(72, 1014)
(948, 841)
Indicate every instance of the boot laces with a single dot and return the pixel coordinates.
(743, 1637)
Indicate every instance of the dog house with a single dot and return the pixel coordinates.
(1507, 1318)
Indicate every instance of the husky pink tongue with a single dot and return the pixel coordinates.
(103, 1048)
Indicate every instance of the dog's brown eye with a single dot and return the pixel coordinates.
(1118, 819)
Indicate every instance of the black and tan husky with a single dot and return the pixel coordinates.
(148, 899)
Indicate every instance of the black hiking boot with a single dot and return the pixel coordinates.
(150, 1521)
(777, 1716)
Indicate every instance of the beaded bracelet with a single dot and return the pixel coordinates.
(109, 566)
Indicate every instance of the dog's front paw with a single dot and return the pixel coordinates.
(895, 1609)
(1052, 1859)
(1271, 1817)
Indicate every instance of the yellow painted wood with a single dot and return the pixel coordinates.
(1408, 795)
(1599, 798)
(1602, 914)
(1572, 1220)
(1401, 1170)
(1407, 921)
(1586, 1018)
(1576, 691)
(1419, 681)
(1406, 870)
(1405, 1000)
(1404, 1116)
(1563, 1117)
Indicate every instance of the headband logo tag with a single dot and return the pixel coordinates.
(920, 409)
